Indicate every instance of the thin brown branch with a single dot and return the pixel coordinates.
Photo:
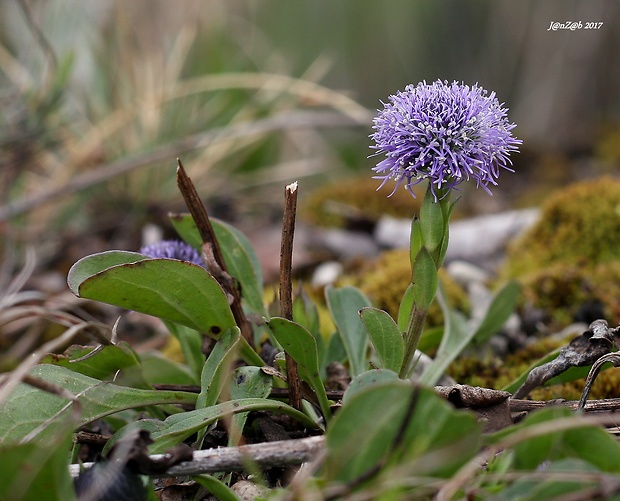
(212, 253)
(286, 286)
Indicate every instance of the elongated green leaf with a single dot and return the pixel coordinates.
(431, 339)
(344, 304)
(424, 279)
(405, 307)
(368, 379)
(447, 209)
(173, 290)
(502, 306)
(456, 337)
(334, 352)
(216, 368)
(588, 442)
(239, 256)
(301, 346)
(562, 479)
(38, 468)
(158, 369)
(416, 239)
(363, 433)
(28, 407)
(178, 427)
(431, 224)
(458, 334)
(217, 488)
(190, 341)
(306, 314)
(246, 382)
(385, 336)
(103, 363)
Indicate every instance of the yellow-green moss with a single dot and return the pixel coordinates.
(607, 149)
(493, 372)
(572, 255)
(325, 206)
(579, 226)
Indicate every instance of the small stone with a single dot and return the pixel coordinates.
(248, 491)
(464, 273)
(326, 273)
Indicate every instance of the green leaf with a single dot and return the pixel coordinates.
(96, 263)
(405, 307)
(344, 304)
(216, 488)
(104, 363)
(334, 352)
(416, 239)
(306, 314)
(158, 369)
(501, 307)
(385, 336)
(246, 382)
(398, 423)
(178, 427)
(216, 368)
(366, 379)
(447, 207)
(458, 333)
(431, 224)
(239, 256)
(301, 346)
(38, 469)
(548, 486)
(456, 337)
(430, 339)
(190, 341)
(28, 407)
(424, 280)
(589, 443)
(173, 290)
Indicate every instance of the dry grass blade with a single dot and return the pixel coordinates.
(285, 121)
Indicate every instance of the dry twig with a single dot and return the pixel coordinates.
(286, 286)
(212, 253)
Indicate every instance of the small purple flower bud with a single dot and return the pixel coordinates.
(173, 249)
(446, 133)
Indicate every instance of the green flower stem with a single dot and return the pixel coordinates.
(411, 337)
(429, 241)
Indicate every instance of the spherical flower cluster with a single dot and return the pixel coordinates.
(173, 249)
(446, 133)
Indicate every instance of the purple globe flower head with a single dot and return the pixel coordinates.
(446, 133)
(173, 249)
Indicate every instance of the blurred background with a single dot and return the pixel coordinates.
(99, 97)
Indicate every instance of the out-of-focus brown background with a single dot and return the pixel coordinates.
(99, 97)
